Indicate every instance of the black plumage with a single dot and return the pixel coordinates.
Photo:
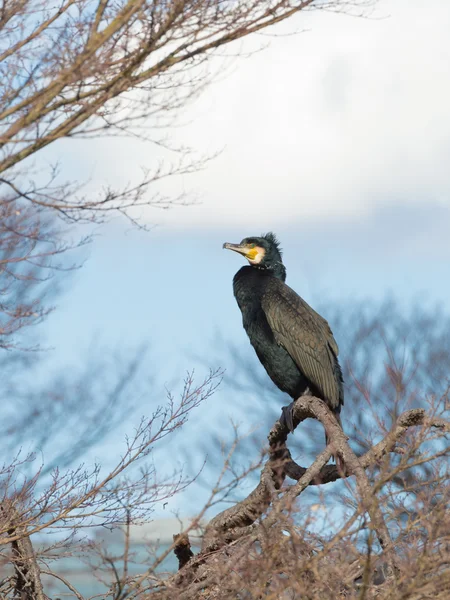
(293, 342)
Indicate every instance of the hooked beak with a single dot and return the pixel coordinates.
(236, 247)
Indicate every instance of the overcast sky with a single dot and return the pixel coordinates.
(338, 138)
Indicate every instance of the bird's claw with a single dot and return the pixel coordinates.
(287, 417)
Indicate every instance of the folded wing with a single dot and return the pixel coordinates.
(308, 339)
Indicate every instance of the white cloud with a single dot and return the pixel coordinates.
(331, 121)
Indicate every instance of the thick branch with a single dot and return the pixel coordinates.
(236, 525)
(280, 464)
(28, 585)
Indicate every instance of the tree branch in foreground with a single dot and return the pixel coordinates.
(239, 521)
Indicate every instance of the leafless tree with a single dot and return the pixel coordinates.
(81, 497)
(389, 537)
(264, 546)
(268, 545)
(82, 68)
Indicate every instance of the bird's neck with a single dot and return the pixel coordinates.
(275, 268)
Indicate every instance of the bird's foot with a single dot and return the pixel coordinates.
(287, 417)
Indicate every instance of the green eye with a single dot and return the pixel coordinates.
(252, 245)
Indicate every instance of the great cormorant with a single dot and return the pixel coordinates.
(294, 343)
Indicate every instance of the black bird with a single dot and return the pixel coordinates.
(294, 343)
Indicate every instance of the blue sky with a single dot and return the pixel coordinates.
(172, 291)
(174, 288)
(338, 139)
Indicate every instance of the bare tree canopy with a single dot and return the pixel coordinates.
(83, 68)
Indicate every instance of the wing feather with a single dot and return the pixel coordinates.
(307, 337)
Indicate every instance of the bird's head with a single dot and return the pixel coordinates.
(263, 252)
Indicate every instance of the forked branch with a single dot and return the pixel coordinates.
(239, 520)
